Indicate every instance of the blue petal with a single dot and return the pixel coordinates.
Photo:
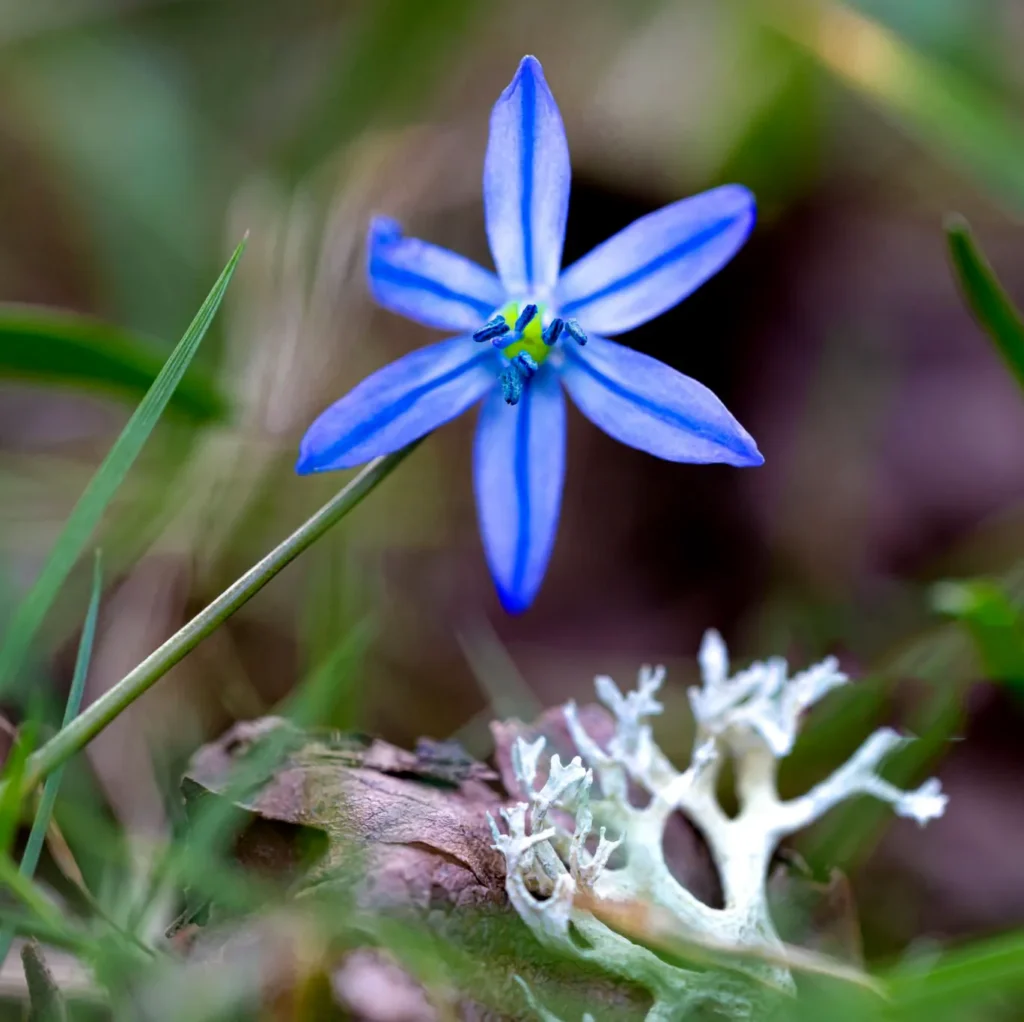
(656, 261)
(646, 404)
(519, 468)
(398, 404)
(428, 283)
(526, 183)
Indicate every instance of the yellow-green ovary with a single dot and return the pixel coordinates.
(532, 341)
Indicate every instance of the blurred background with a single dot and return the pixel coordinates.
(139, 139)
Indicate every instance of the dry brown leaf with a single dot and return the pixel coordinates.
(418, 818)
(417, 822)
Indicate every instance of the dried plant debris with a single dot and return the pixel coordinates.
(46, 1003)
(417, 822)
(634, 893)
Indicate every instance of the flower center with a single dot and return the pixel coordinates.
(526, 332)
(519, 332)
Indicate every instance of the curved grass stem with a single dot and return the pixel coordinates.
(76, 735)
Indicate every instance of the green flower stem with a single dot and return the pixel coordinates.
(96, 717)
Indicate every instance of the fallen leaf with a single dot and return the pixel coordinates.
(418, 821)
(417, 824)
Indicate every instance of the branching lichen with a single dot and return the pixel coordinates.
(553, 854)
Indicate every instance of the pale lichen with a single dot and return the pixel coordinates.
(555, 861)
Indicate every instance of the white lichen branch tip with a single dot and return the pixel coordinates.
(751, 717)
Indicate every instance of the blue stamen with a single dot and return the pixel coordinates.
(511, 384)
(526, 363)
(514, 376)
(576, 332)
(552, 331)
(524, 318)
(493, 328)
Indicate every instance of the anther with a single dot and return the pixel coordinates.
(493, 328)
(511, 384)
(524, 318)
(576, 332)
(514, 376)
(526, 363)
(552, 331)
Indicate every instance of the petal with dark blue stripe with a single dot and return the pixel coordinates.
(526, 183)
(519, 468)
(646, 404)
(398, 404)
(426, 282)
(656, 262)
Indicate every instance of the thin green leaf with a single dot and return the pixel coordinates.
(961, 978)
(25, 924)
(104, 484)
(99, 714)
(44, 812)
(329, 686)
(25, 891)
(215, 821)
(53, 346)
(993, 623)
(984, 294)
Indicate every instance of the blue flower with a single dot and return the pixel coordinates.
(532, 329)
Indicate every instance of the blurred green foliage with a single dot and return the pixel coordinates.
(985, 295)
(130, 133)
(105, 483)
(962, 121)
(44, 811)
(993, 622)
(52, 347)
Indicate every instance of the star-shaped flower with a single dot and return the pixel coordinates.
(528, 331)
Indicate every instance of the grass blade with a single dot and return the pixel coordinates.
(26, 925)
(104, 484)
(985, 295)
(53, 346)
(214, 822)
(99, 714)
(34, 845)
(992, 621)
(25, 891)
(961, 978)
